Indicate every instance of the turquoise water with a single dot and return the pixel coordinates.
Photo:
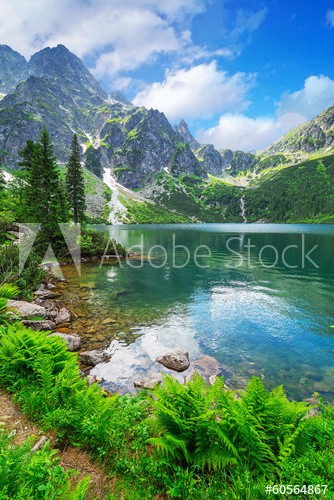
(241, 304)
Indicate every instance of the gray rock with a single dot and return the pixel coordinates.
(92, 358)
(46, 294)
(44, 325)
(190, 375)
(41, 443)
(64, 316)
(148, 382)
(26, 309)
(50, 286)
(313, 412)
(92, 379)
(72, 340)
(177, 360)
(207, 366)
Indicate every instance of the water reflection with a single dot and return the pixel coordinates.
(256, 319)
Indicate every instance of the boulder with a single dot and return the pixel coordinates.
(207, 366)
(64, 316)
(73, 340)
(26, 309)
(92, 358)
(44, 325)
(177, 360)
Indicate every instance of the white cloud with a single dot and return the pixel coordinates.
(199, 92)
(247, 22)
(330, 17)
(126, 33)
(237, 131)
(316, 95)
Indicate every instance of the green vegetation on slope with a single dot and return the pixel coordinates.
(299, 193)
(149, 213)
(29, 475)
(295, 193)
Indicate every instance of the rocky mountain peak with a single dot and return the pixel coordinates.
(58, 62)
(315, 135)
(116, 95)
(13, 69)
(184, 132)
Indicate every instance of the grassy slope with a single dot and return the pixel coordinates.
(295, 193)
(298, 193)
(285, 193)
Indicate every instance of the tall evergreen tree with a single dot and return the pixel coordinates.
(26, 158)
(44, 197)
(75, 185)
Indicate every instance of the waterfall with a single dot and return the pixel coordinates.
(242, 208)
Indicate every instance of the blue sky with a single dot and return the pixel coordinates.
(241, 73)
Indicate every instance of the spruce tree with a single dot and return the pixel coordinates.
(75, 185)
(44, 197)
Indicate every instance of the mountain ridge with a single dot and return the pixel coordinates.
(136, 147)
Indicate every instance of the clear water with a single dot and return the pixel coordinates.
(253, 314)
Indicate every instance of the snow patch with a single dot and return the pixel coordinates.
(7, 176)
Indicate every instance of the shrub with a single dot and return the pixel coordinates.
(94, 242)
(35, 476)
(31, 276)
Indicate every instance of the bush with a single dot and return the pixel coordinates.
(46, 380)
(35, 476)
(94, 242)
(207, 427)
(31, 276)
(206, 442)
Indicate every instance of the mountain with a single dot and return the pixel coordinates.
(315, 135)
(127, 147)
(68, 70)
(59, 92)
(216, 162)
(13, 69)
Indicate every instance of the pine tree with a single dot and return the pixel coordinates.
(75, 185)
(45, 200)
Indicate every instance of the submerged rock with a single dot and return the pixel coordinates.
(46, 294)
(92, 358)
(148, 382)
(44, 325)
(92, 379)
(177, 360)
(64, 316)
(208, 367)
(26, 309)
(73, 340)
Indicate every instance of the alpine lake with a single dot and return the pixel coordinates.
(259, 298)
